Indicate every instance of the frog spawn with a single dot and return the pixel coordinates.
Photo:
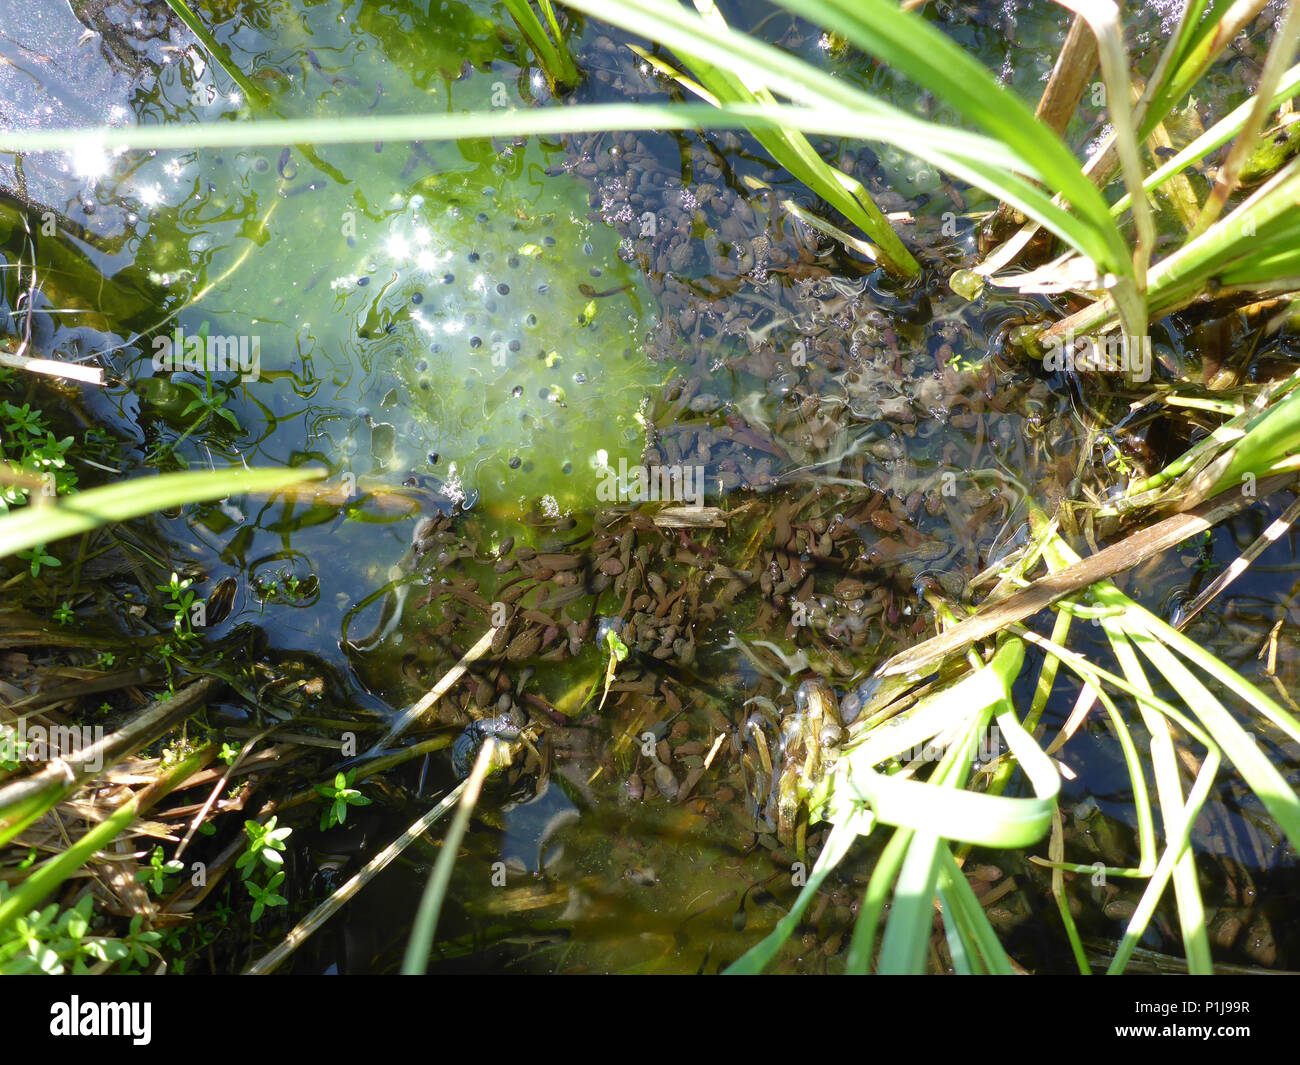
(502, 346)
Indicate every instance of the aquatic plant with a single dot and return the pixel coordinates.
(551, 49)
(918, 866)
(1021, 160)
(1017, 158)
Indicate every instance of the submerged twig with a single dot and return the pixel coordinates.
(68, 371)
(1238, 566)
(414, 713)
(26, 799)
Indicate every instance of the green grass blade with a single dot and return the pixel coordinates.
(1215, 137)
(965, 959)
(908, 43)
(911, 915)
(791, 150)
(87, 510)
(1056, 859)
(757, 958)
(220, 55)
(553, 56)
(970, 917)
(416, 958)
(1093, 235)
(53, 872)
(863, 942)
(1197, 48)
(1240, 747)
(973, 817)
(1164, 765)
(1174, 849)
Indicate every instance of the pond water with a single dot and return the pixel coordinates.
(471, 337)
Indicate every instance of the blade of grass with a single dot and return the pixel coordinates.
(83, 511)
(554, 57)
(909, 44)
(1129, 291)
(759, 63)
(1215, 137)
(971, 917)
(416, 959)
(1280, 54)
(863, 942)
(1164, 765)
(1056, 859)
(841, 837)
(219, 53)
(53, 872)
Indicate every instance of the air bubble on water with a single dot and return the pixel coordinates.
(453, 488)
(1097, 141)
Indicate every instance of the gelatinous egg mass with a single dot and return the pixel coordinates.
(510, 330)
(447, 314)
